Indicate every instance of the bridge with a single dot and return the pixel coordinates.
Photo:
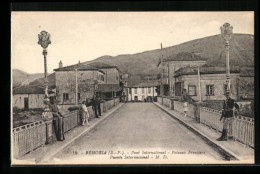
(145, 133)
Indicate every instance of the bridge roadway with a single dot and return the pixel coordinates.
(136, 128)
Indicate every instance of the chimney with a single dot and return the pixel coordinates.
(60, 64)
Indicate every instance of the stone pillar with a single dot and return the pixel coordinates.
(172, 104)
(199, 86)
(49, 135)
(48, 119)
(197, 111)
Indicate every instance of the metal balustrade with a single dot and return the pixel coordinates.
(242, 128)
(71, 120)
(28, 137)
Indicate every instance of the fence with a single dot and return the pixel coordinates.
(159, 99)
(167, 102)
(28, 137)
(242, 128)
(71, 120)
(178, 106)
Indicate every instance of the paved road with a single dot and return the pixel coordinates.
(139, 127)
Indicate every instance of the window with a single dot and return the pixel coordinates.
(130, 90)
(78, 96)
(101, 77)
(149, 90)
(192, 90)
(142, 90)
(135, 90)
(209, 89)
(65, 96)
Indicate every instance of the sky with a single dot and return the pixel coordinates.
(84, 36)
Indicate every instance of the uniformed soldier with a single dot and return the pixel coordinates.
(227, 114)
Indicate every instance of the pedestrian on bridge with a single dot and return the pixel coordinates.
(185, 107)
(84, 114)
(96, 105)
(58, 120)
(229, 109)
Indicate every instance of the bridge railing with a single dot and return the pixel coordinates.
(159, 100)
(71, 120)
(28, 137)
(242, 128)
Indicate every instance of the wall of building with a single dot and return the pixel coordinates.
(111, 75)
(218, 80)
(141, 94)
(167, 70)
(34, 100)
(66, 83)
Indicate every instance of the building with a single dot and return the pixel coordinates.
(78, 82)
(141, 92)
(168, 66)
(29, 97)
(207, 84)
(188, 73)
(32, 96)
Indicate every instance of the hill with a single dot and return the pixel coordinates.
(143, 66)
(211, 48)
(23, 78)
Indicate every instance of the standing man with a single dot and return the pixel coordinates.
(227, 113)
(96, 105)
(58, 120)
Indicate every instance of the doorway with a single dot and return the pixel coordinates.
(26, 103)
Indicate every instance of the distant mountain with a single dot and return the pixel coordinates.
(23, 78)
(212, 48)
(143, 66)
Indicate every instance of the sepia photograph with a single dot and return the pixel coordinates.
(161, 87)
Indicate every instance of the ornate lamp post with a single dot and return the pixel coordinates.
(44, 41)
(226, 33)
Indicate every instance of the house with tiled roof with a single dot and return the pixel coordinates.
(207, 84)
(169, 65)
(188, 73)
(30, 96)
(78, 82)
